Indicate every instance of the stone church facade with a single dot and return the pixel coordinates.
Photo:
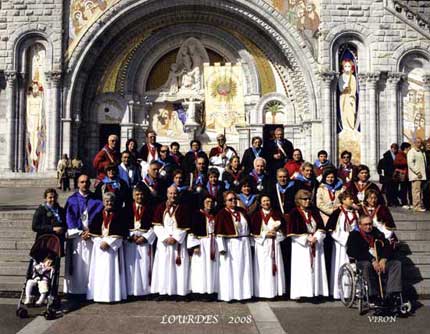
(336, 74)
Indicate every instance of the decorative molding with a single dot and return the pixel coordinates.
(409, 16)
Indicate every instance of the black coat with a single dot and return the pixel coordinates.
(272, 149)
(44, 223)
(189, 161)
(144, 151)
(288, 197)
(123, 194)
(358, 248)
(249, 157)
(386, 164)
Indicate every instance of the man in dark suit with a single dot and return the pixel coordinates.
(151, 149)
(279, 151)
(386, 172)
(282, 192)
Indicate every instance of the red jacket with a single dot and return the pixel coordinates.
(293, 166)
(104, 158)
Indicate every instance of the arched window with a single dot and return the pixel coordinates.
(416, 66)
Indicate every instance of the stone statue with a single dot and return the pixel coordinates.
(172, 84)
(185, 76)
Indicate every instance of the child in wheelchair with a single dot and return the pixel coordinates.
(373, 256)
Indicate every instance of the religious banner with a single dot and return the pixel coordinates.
(35, 120)
(224, 101)
(413, 106)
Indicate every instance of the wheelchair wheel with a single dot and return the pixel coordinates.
(405, 308)
(346, 284)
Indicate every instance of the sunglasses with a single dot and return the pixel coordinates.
(305, 198)
(231, 199)
(164, 151)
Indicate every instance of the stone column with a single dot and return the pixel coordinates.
(392, 124)
(329, 127)
(20, 151)
(426, 80)
(73, 151)
(127, 123)
(372, 139)
(363, 116)
(10, 116)
(55, 111)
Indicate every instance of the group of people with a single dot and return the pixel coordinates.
(266, 225)
(405, 175)
(68, 169)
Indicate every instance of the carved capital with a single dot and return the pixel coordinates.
(54, 77)
(372, 79)
(327, 77)
(393, 78)
(11, 77)
(426, 80)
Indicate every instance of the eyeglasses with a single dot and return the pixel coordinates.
(305, 198)
(231, 199)
(164, 151)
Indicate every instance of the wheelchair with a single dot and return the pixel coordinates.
(354, 291)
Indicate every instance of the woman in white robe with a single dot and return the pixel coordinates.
(205, 258)
(138, 248)
(107, 281)
(171, 261)
(266, 228)
(234, 245)
(306, 229)
(341, 223)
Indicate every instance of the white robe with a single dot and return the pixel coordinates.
(107, 281)
(235, 267)
(204, 271)
(138, 263)
(267, 285)
(388, 234)
(339, 255)
(168, 278)
(305, 280)
(77, 283)
(219, 163)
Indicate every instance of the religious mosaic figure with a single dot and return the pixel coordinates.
(35, 127)
(34, 119)
(413, 116)
(348, 90)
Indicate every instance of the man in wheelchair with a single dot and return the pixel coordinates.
(374, 257)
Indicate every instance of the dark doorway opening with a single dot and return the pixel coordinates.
(106, 130)
(268, 132)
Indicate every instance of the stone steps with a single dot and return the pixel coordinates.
(18, 180)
